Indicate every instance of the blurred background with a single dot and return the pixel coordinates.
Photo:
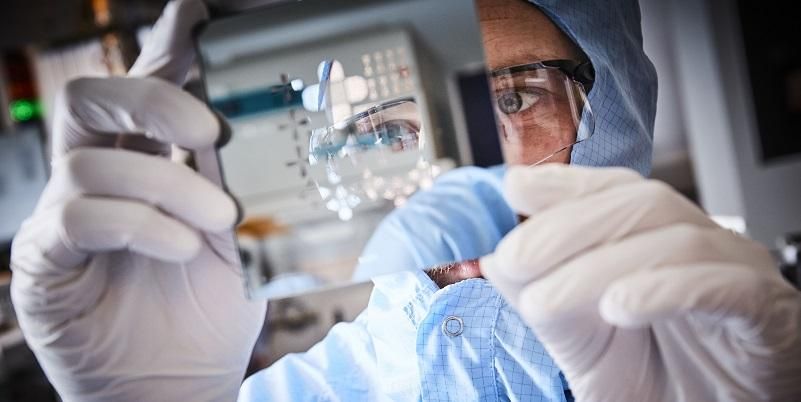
(728, 133)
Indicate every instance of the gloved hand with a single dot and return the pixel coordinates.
(122, 278)
(638, 296)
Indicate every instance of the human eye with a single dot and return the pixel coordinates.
(399, 132)
(516, 101)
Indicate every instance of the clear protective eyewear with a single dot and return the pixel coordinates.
(391, 126)
(389, 133)
(542, 106)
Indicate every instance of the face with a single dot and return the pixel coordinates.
(515, 32)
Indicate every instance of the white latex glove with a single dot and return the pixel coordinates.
(123, 281)
(638, 296)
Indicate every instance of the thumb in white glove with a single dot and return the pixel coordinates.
(117, 287)
(638, 296)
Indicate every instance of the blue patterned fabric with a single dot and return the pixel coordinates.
(623, 98)
(398, 350)
(463, 216)
(494, 358)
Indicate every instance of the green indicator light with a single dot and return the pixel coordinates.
(23, 110)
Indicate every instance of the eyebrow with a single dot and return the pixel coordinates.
(524, 57)
(495, 13)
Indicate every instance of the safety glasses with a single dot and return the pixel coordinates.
(542, 108)
(393, 126)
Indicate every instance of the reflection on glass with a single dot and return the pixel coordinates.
(394, 125)
(365, 141)
(327, 139)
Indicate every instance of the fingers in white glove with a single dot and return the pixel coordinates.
(93, 225)
(169, 51)
(579, 283)
(119, 325)
(529, 190)
(567, 299)
(52, 242)
(746, 315)
(171, 187)
(589, 216)
(711, 289)
(610, 265)
(93, 111)
(140, 200)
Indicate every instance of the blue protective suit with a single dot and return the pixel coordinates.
(462, 216)
(398, 349)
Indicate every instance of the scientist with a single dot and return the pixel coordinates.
(124, 293)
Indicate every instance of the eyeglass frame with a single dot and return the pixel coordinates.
(367, 113)
(581, 72)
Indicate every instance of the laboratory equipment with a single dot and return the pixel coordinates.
(22, 177)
